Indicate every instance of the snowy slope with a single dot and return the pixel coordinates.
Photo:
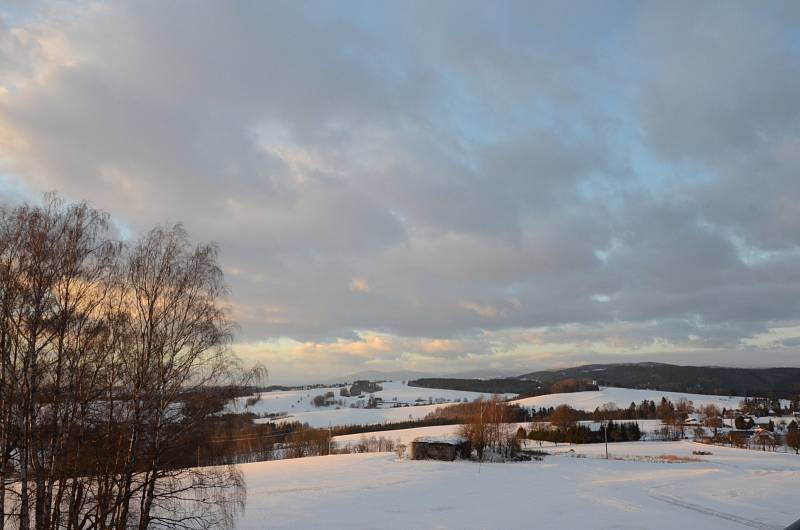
(731, 489)
(403, 436)
(298, 404)
(623, 398)
(346, 416)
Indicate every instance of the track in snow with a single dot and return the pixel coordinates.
(714, 513)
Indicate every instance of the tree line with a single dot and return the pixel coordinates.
(769, 406)
(462, 412)
(583, 434)
(507, 385)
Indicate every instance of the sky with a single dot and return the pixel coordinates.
(440, 186)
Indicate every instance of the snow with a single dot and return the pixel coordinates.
(401, 436)
(440, 439)
(777, 420)
(623, 397)
(297, 404)
(733, 488)
(346, 416)
(406, 436)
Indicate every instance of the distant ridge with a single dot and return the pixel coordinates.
(377, 375)
(407, 375)
(716, 380)
(713, 380)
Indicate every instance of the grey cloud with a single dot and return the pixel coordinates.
(721, 97)
(478, 170)
(722, 79)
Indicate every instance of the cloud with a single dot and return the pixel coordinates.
(454, 183)
(359, 286)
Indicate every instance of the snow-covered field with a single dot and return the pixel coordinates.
(297, 404)
(402, 436)
(623, 397)
(346, 416)
(733, 488)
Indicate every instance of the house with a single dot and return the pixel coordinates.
(440, 448)
(764, 438)
(765, 422)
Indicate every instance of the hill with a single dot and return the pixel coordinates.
(713, 380)
(716, 380)
(622, 397)
(505, 385)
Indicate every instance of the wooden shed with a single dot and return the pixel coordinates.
(446, 448)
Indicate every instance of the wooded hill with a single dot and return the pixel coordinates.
(507, 385)
(714, 380)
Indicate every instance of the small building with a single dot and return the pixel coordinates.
(446, 448)
(739, 437)
(764, 438)
(765, 422)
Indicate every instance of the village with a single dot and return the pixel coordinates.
(384, 415)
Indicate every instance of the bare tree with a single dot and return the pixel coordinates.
(793, 437)
(476, 429)
(53, 259)
(563, 417)
(711, 417)
(485, 427)
(109, 355)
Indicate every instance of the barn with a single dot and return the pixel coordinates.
(446, 448)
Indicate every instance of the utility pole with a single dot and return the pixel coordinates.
(605, 437)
